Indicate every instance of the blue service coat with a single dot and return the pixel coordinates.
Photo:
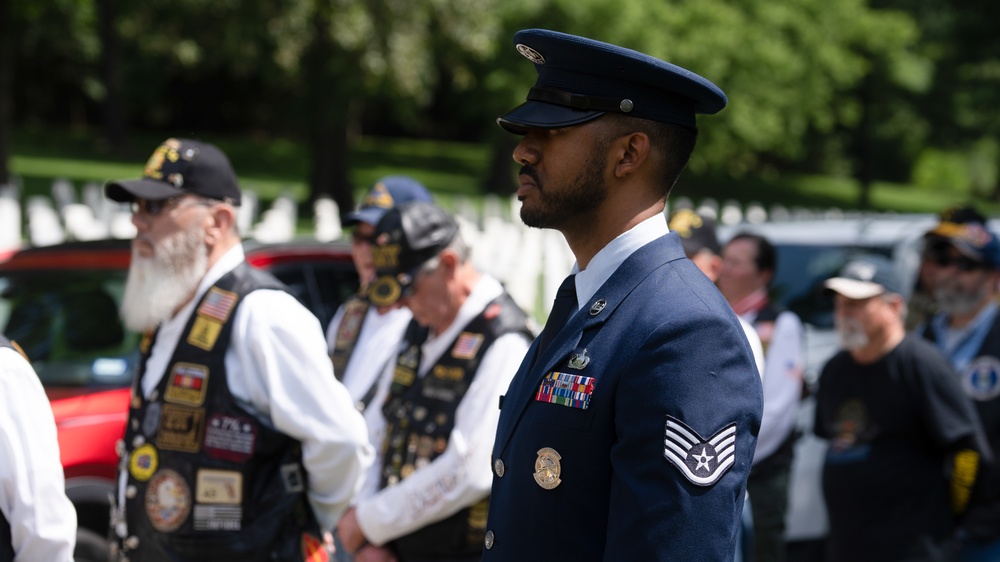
(635, 475)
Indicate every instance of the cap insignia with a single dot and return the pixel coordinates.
(530, 54)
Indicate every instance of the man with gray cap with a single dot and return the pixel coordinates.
(241, 444)
(906, 448)
(435, 410)
(961, 262)
(629, 429)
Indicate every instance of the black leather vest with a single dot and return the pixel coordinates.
(208, 480)
(6, 541)
(420, 415)
(355, 313)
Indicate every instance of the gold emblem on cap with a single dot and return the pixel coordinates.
(530, 54)
(385, 256)
(547, 468)
(379, 197)
(685, 221)
(384, 291)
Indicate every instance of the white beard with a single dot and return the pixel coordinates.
(851, 334)
(159, 285)
(952, 300)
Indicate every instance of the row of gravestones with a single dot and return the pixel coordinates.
(530, 262)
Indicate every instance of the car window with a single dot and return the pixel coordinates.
(321, 287)
(69, 327)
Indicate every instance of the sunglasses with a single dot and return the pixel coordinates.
(359, 238)
(961, 263)
(153, 207)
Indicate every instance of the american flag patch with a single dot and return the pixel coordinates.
(566, 389)
(466, 345)
(217, 304)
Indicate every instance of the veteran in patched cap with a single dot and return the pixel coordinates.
(634, 416)
(235, 402)
(437, 402)
(887, 399)
(361, 334)
(960, 273)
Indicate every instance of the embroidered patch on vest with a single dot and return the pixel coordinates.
(168, 501)
(981, 379)
(143, 462)
(218, 486)
(204, 333)
(187, 384)
(218, 304)
(229, 437)
(466, 345)
(181, 428)
(354, 314)
(566, 389)
(702, 461)
(313, 550)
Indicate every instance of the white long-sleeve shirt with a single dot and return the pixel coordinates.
(784, 361)
(375, 346)
(32, 485)
(461, 475)
(278, 367)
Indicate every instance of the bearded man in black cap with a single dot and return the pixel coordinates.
(241, 444)
(426, 496)
(629, 429)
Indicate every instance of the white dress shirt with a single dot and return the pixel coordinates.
(606, 261)
(32, 486)
(461, 475)
(278, 368)
(376, 344)
(784, 361)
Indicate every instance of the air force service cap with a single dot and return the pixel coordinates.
(580, 79)
(407, 237)
(177, 167)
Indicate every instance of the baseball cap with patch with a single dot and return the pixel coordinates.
(697, 232)
(385, 194)
(965, 229)
(580, 79)
(405, 238)
(864, 277)
(178, 167)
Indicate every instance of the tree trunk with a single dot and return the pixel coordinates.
(500, 177)
(6, 89)
(328, 100)
(863, 172)
(112, 107)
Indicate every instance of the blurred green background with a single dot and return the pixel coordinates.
(879, 105)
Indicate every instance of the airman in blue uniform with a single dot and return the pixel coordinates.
(629, 429)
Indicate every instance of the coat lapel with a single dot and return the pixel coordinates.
(623, 281)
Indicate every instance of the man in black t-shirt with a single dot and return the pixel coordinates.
(895, 416)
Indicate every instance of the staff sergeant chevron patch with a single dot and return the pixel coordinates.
(702, 461)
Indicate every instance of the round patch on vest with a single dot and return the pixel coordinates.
(168, 501)
(143, 461)
(981, 379)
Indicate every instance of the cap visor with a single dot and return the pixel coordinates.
(853, 288)
(130, 190)
(370, 216)
(540, 115)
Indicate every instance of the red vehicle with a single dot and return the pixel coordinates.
(60, 303)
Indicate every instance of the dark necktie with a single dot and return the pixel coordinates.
(562, 308)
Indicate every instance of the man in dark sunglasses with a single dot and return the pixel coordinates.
(961, 270)
(241, 444)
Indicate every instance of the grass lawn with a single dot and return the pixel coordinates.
(275, 167)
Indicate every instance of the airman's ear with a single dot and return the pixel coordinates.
(633, 151)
